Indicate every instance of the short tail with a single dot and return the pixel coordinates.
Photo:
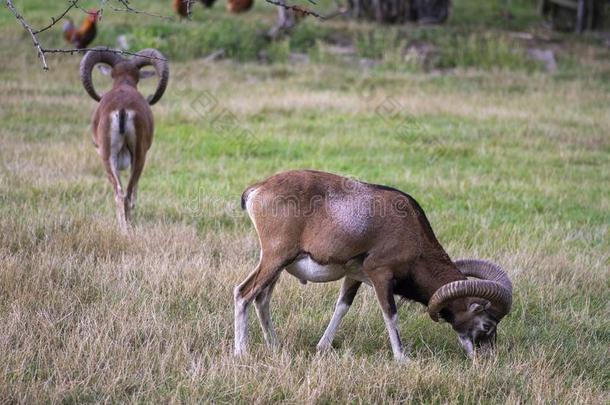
(246, 193)
(244, 197)
(122, 120)
(122, 136)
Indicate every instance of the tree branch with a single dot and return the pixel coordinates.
(128, 9)
(26, 26)
(100, 49)
(55, 20)
(42, 51)
(305, 11)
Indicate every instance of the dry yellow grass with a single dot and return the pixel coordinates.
(90, 315)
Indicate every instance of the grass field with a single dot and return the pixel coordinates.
(511, 164)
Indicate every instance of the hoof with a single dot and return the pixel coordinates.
(403, 358)
(323, 348)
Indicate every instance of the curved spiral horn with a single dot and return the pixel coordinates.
(494, 286)
(484, 270)
(154, 58)
(93, 57)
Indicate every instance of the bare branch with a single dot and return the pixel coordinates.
(9, 4)
(42, 51)
(305, 11)
(128, 9)
(87, 11)
(55, 20)
(100, 49)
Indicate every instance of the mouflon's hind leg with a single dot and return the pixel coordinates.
(119, 194)
(137, 166)
(348, 291)
(261, 304)
(262, 277)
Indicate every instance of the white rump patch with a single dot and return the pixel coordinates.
(121, 144)
(249, 200)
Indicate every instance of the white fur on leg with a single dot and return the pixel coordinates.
(122, 215)
(391, 323)
(341, 308)
(261, 304)
(326, 341)
(241, 315)
(241, 325)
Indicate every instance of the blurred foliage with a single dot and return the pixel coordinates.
(484, 51)
(478, 35)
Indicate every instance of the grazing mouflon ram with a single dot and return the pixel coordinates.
(123, 121)
(321, 227)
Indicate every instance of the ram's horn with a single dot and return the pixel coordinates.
(493, 285)
(152, 57)
(92, 58)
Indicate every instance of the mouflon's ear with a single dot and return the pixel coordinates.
(144, 74)
(105, 69)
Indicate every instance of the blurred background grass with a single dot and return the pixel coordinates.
(476, 35)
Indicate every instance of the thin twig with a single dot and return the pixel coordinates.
(100, 49)
(129, 9)
(306, 11)
(87, 11)
(296, 8)
(55, 20)
(9, 4)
